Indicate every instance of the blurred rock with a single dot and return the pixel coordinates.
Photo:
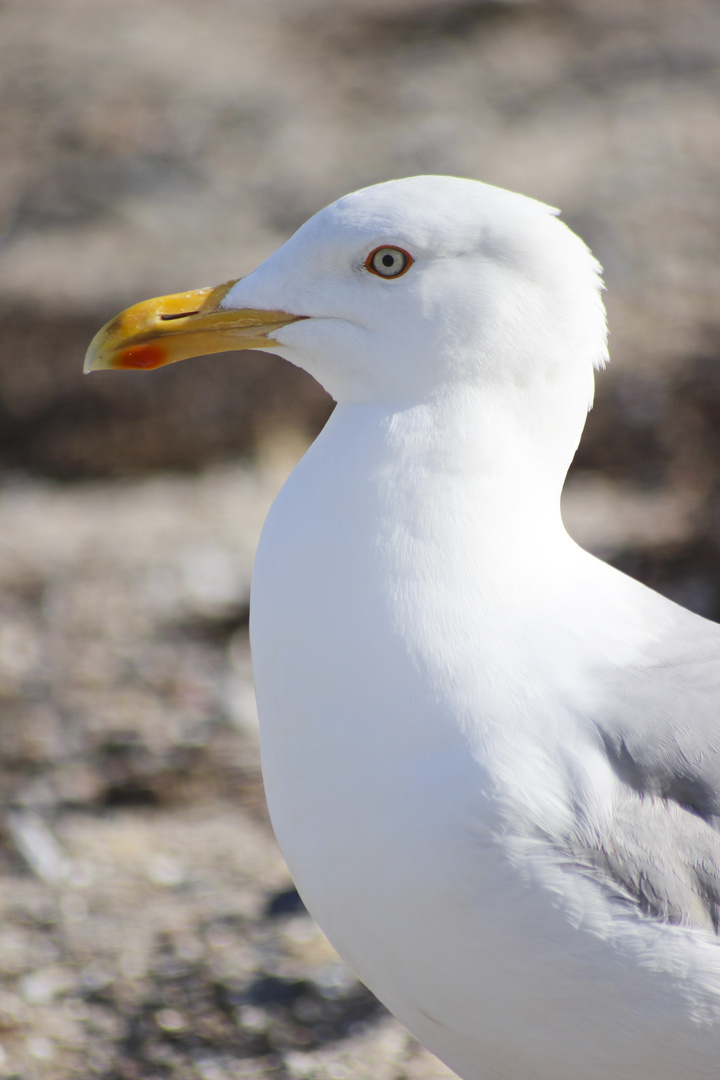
(37, 845)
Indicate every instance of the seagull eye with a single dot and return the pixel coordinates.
(388, 262)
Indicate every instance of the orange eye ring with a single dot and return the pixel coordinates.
(389, 262)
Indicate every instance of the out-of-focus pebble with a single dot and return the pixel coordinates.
(40, 987)
(40, 1047)
(170, 1020)
(37, 845)
(165, 870)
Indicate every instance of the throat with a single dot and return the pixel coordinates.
(465, 467)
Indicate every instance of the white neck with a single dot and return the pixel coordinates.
(496, 455)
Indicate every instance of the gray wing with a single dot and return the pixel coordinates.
(660, 729)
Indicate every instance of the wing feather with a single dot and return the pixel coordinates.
(660, 730)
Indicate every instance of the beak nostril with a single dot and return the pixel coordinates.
(178, 315)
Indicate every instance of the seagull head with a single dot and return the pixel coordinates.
(399, 293)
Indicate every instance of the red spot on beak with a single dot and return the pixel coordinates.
(142, 357)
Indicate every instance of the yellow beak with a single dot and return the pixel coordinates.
(171, 328)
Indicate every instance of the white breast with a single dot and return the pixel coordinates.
(414, 740)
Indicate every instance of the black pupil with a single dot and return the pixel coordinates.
(388, 260)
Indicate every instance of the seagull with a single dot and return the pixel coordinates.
(492, 761)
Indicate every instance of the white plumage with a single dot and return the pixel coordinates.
(491, 761)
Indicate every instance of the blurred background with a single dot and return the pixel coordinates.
(148, 927)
